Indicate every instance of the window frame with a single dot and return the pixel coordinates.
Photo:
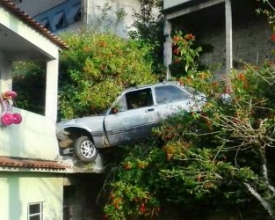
(39, 214)
(139, 98)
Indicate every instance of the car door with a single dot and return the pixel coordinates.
(134, 119)
(171, 99)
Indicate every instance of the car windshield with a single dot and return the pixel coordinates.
(170, 93)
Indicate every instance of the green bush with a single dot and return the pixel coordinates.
(29, 80)
(218, 159)
(96, 68)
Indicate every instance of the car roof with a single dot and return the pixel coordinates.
(152, 85)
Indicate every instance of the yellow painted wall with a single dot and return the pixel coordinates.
(17, 190)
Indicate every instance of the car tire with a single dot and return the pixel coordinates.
(85, 149)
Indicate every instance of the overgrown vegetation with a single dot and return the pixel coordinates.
(220, 154)
(219, 161)
(96, 59)
(30, 79)
(96, 68)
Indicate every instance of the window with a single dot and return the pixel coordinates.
(135, 99)
(60, 20)
(167, 94)
(140, 98)
(121, 104)
(77, 17)
(46, 23)
(35, 211)
(74, 14)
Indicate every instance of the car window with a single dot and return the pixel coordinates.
(121, 104)
(139, 98)
(170, 93)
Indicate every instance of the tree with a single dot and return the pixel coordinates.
(96, 68)
(148, 29)
(29, 79)
(220, 159)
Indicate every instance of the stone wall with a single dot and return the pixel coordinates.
(251, 35)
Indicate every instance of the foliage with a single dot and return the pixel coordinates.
(185, 54)
(29, 81)
(222, 153)
(148, 29)
(95, 59)
(96, 68)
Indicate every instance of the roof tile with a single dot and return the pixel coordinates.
(13, 162)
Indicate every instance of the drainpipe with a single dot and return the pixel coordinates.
(167, 48)
(228, 34)
(85, 9)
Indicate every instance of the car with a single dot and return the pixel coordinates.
(131, 117)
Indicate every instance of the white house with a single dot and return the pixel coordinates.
(34, 178)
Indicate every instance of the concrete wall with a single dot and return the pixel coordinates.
(172, 3)
(20, 189)
(251, 41)
(33, 138)
(5, 70)
(251, 35)
(104, 15)
(82, 196)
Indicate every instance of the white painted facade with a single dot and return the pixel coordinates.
(18, 41)
(33, 138)
(18, 191)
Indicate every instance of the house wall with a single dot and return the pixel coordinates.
(251, 40)
(104, 15)
(82, 197)
(33, 138)
(5, 70)
(250, 35)
(20, 189)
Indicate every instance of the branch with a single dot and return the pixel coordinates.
(264, 203)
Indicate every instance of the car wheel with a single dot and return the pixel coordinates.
(85, 149)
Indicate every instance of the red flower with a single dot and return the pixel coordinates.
(189, 36)
(273, 37)
(176, 39)
(241, 77)
(176, 51)
(142, 208)
(127, 165)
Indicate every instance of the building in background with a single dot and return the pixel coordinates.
(61, 15)
(229, 31)
(36, 181)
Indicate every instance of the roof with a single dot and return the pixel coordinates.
(151, 85)
(12, 162)
(12, 8)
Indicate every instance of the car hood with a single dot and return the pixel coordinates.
(87, 123)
